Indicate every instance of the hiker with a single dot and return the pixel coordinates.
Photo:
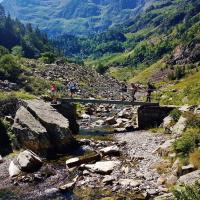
(134, 89)
(124, 89)
(72, 87)
(53, 93)
(150, 89)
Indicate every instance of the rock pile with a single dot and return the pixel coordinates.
(91, 83)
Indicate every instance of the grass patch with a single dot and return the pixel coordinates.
(188, 141)
(105, 194)
(107, 137)
(187, 192)
(175, 114)
(194, 158)
(157, 130)
(16, 94)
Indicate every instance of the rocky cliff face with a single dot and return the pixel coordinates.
(74, 16)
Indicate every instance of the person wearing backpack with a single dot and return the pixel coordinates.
(72, 87)
(54, 93)
(150, 88)
(134, 89)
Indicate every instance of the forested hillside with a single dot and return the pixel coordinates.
(22, 39)
(79, 17)
(142, 41)
(161, 45)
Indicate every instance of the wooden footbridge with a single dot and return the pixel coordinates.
(105, 101)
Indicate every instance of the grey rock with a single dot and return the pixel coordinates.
(30, 133)
(51, 191)
(130, 182)
(110, 120)
(180, 126)
(165, 148)
(102, 167)
(73, 162)
(189, 179)
(187, 169)
(167, 121)
(67, 187)
(13, 169)
(1, 159)
(171, 180)
(112, 150)
(29, 161)
(56, 124)
(108, 179)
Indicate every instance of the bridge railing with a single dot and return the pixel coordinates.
(109, 94)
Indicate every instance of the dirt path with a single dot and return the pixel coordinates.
(140, 147)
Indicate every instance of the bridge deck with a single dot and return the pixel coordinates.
(100, 101)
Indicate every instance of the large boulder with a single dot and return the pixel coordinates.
(30, 133)
(42, 129)
(180, 126)
(26, 161)
(57, 125)
(189, 179)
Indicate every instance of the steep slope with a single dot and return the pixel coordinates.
(74, 16)
(20, 39)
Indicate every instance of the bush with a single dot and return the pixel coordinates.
(3, 51)
(175, 114)
(5, 146)
(195, 158)
(193, 120)
(48, 57)
(9, 68)
(102, 69)
(17, 51)
(188, 193)
(187, 142)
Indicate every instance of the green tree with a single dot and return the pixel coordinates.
(9, 68)
(17, 51)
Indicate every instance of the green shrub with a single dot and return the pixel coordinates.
(48, 57)
(3, 51)
(17, 51)
(194, 158)
(193, 120)
(188, 192)
(175, 114)
(9, 68)
(101, 68)
(187, 142)
(5, 146)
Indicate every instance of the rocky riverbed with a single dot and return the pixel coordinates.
(127, 170)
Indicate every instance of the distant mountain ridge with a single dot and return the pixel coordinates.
(79, 17)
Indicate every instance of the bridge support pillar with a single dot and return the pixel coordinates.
(152, 116)
(68, 110)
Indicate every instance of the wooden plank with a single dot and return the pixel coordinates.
(103, 101)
